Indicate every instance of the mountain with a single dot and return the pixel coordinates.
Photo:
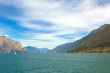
(31, 49)
(8, 45)
(97, 41)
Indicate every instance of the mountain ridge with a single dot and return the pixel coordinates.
(31, 49)
(97, 39)
(8, 45)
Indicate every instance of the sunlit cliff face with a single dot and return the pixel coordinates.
(7, 45)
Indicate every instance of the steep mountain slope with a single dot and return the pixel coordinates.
(8, 45)
(97, 41)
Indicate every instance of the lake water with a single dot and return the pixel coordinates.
(55, 63)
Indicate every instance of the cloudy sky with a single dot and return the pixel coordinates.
(48, 23)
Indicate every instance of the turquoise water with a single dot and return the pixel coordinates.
(55, 63)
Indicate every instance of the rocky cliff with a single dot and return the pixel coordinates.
(8, 45)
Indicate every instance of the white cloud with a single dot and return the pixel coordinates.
(87, 13)
(41, 44)
(31, 26)
(67, 17)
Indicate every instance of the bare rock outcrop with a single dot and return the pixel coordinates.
(8, 45)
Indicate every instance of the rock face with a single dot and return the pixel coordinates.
(8, 45)
(97, 41)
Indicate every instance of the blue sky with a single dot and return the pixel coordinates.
(48, 23)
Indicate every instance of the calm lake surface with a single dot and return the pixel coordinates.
(55, 63)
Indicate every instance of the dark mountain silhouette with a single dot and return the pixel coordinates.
(97, 41)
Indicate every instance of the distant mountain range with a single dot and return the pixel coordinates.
(31, 49)
(97, 41)
(8, 45)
